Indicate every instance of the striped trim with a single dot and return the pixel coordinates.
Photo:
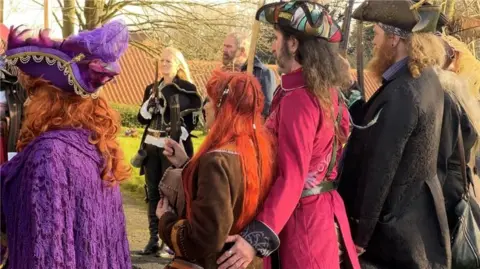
(174, 236)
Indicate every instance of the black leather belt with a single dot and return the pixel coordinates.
(325, 186)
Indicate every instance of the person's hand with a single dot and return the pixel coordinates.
(238, 256)
(163, 207)
(151, 104)
(175, 153)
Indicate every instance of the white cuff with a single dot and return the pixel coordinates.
(184, 134)
(144, 112)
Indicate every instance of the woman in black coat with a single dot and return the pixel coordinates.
(155, 114)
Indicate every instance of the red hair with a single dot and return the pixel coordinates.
(239, 123)
(52, 109)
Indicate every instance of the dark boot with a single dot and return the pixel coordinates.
(153, 246)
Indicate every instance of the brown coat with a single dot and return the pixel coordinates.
(217, 204)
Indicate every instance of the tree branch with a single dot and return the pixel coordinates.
(57, 19)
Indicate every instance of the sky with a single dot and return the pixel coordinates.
(30, 14)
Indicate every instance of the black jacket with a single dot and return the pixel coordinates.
(449, 164)
(190, 120)
(266, 77)
(390, 176)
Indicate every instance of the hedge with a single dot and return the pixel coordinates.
(128, 113)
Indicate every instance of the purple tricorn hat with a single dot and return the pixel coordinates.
(81, 63)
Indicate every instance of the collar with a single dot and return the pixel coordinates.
(394, 68)
(293, 80)
(256, 63)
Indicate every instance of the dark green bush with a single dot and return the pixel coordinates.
(128, 113)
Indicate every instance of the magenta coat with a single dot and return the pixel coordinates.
(305, 226)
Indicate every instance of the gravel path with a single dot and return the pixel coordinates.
(136, 215)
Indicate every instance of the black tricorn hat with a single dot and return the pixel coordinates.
(432, 16)
(395, 13)
(429, 19)
(190, 101)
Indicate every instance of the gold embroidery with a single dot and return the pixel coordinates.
(62, 65)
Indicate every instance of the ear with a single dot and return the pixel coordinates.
(292, 45)
(395, 40)
(243, 51)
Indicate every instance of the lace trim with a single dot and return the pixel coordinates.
(62, 65)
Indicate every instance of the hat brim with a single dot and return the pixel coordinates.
(189, 100)
(52, 65)
(391, 12)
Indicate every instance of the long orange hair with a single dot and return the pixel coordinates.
(50, 108)
(238, 122)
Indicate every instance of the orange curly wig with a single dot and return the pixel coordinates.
(49, 108)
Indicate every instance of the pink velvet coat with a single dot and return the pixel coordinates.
(305, 138)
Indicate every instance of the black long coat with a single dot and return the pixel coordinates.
(449, 164)
(190, 120)
(389, 177)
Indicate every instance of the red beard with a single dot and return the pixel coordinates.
(383, 58)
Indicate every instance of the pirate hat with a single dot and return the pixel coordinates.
(431, 18)
(303, 18)
(190, 101)
(80, 64)
(396, 13)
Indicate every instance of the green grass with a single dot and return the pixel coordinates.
(130, 147)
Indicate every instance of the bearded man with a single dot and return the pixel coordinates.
(389, 180)
(303, 210)
(235, 54)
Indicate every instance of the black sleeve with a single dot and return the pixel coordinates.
(146, 95)
(451, 119)
(189, 120)
(268, 87)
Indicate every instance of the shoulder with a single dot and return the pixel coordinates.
(219, 168)
(404, 89)
(51, 145)
(186, 85)
(224, 158)
(65, 145)
(300, 99)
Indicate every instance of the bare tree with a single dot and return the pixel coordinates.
(68, 12)
(195, 27)
(1, 11)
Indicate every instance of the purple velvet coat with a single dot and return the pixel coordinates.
(58, 211)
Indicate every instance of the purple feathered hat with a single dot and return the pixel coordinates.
(82, 63)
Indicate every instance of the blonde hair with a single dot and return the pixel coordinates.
(468, 65)
(457, 88)
(183, 71)
(424, 50)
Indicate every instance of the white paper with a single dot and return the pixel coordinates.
(10, 155)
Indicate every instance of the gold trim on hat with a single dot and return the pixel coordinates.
(50, 59)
